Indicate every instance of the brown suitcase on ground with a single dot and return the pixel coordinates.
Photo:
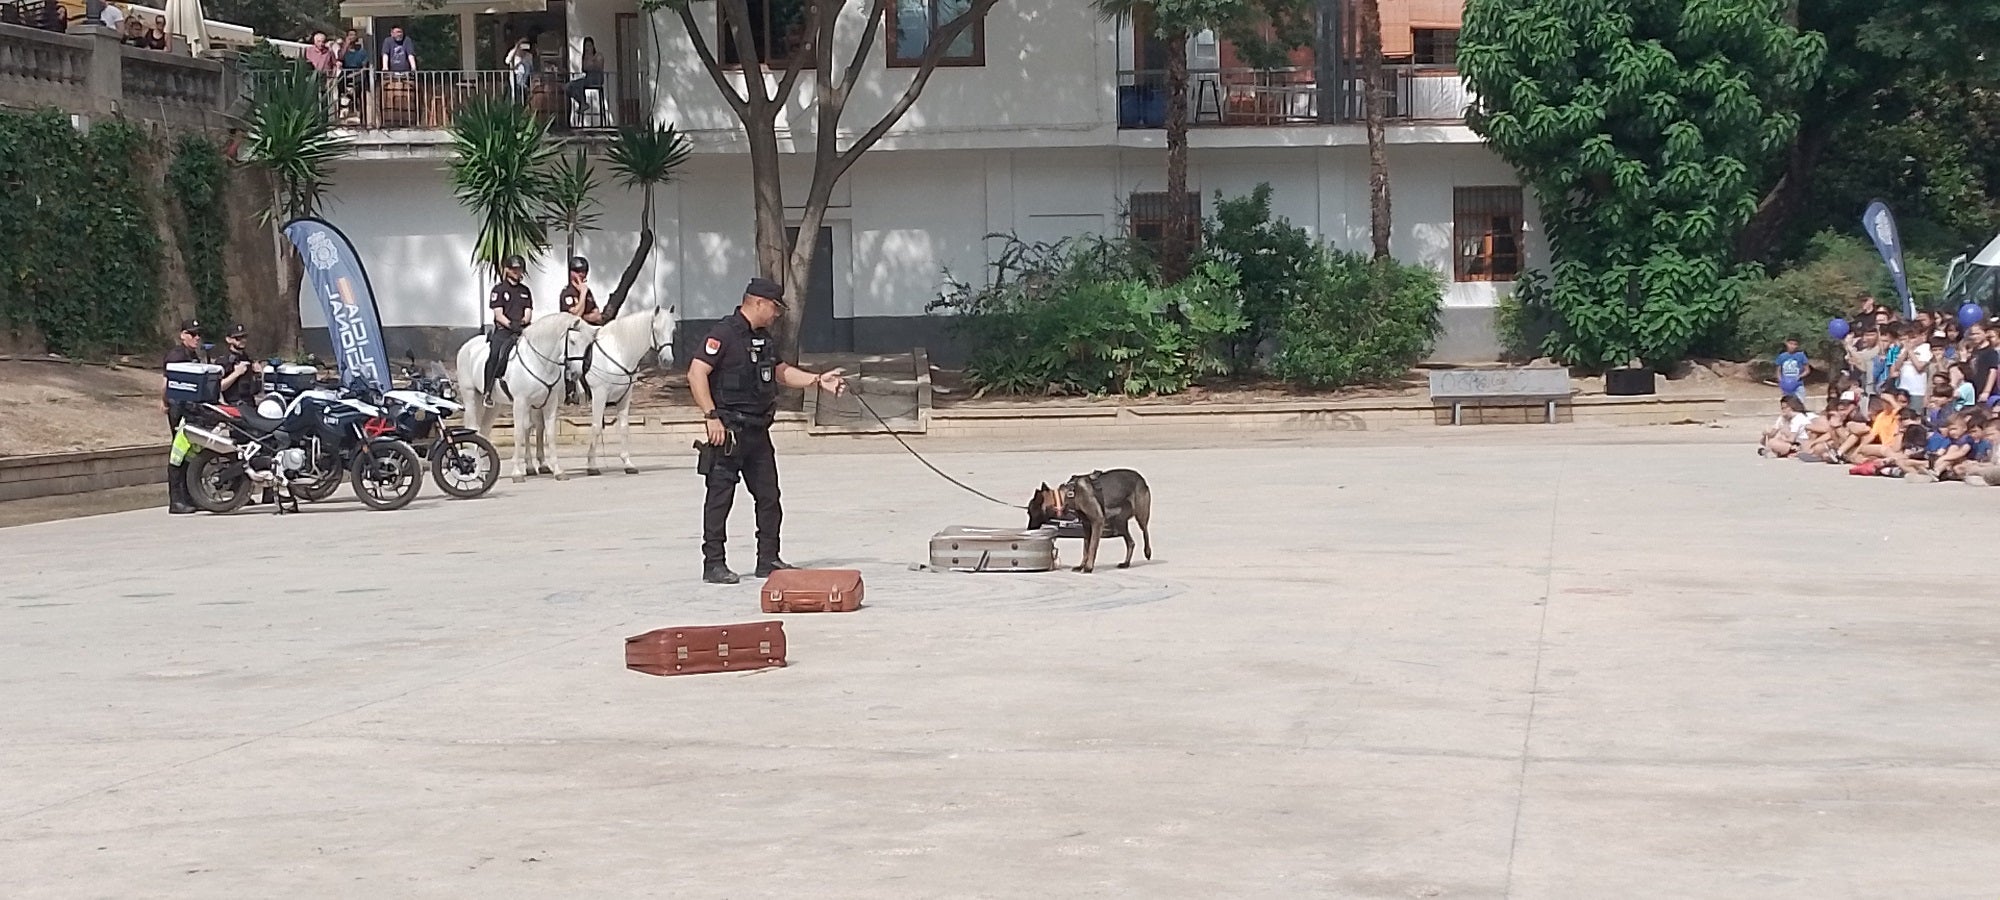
(707, 648)
(812, 590)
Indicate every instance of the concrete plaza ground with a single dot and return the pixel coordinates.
(1485, 662)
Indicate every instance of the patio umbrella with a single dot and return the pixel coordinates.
(186, 21)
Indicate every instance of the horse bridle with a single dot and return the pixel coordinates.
(629, 375)
(549, 387)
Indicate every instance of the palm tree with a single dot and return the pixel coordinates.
(500, 170)
(572, 196)
(292, 137)
(646, 157)
(1174, 23)
(1373, 113)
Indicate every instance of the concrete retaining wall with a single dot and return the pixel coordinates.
(676, 429)
(49, 474)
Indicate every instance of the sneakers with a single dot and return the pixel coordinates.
(764, 569)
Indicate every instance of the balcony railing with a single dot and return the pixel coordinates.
(91, 73)
(1239, 97)
(429, 100)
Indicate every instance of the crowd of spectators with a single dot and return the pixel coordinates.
(1916, 399)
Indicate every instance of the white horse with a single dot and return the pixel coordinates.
(534, 378)
(613, 368)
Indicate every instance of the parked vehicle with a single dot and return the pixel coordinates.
(304, 446)
(463, 463)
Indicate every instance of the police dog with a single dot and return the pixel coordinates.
(1102, 501)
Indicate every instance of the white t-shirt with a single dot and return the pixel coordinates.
(1799, 422)
(1912, 378)
(113, 17)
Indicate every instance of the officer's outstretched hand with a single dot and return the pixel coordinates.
(831, 381)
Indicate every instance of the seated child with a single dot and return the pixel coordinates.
(1788, 435)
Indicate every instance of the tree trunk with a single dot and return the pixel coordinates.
(617, 299)
(1761, 237)
(1379, 226)
(1174, 250)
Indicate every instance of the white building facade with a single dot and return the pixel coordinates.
(1045, 125)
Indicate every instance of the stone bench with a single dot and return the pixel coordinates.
(1542, 384)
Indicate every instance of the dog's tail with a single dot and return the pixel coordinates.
(1142, 510)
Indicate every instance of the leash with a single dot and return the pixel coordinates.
(927, 463)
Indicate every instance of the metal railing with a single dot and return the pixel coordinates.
(1290, 96)
(371, 100)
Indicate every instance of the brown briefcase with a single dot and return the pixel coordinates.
(707, 648)
(812, 590)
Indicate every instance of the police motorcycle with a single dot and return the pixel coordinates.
(463, 463)
(300, 442)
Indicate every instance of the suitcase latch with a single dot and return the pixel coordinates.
(722, 650)
(764, 648)
(681, 652)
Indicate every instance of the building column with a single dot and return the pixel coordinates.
(468, 41)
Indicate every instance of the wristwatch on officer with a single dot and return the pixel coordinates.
(712, 414)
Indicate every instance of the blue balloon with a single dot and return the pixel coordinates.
(1836, 329)
(1970, 314)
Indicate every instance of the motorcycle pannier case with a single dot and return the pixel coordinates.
(707, 648)
(194, 382)
(291, 377)
(812, 590)
(967, 549)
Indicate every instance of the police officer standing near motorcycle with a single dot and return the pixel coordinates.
(186, 349)
(734, 377)
(239, 370)
(513, 308)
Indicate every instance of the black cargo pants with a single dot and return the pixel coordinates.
(756, 463)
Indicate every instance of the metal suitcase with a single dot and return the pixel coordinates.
(964, 548)
(707, 648)
(812, 590)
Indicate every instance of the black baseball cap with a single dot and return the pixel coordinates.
(238, 330)
(190, 326)
(767, 289)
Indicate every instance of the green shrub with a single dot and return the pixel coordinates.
(1827, 283)
(1358, 320)
(1271, 258)
(1083, 316)
(79, 253)
(196, 179)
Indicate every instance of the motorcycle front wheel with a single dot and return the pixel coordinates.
(209, 488)
(465, 465)
(388, 475)
(321, 487)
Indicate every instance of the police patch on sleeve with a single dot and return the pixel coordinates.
(713, 346)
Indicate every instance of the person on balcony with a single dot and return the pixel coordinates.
(521, 65)
(156, 37)
(593, 77)
(398, 54)
(353, 75)
(112, 17)
(319, 54)
(135, 33)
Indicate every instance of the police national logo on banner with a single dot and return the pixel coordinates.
(713, 346)
(335, 274)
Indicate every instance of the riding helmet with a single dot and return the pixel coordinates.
(579, 264)
(515, 262)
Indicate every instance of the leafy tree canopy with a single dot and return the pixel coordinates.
(1641, 127)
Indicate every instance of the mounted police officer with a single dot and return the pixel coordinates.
(513, 308)
(734, 377)
(186, 349)
(577, 298)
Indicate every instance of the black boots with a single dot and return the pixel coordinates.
(177, 492)
(719, 574)
(764, 569)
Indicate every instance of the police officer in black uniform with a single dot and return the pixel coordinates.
(239, 369)
(186, 349)
(513, 308)
(577, 298)
(734, 377)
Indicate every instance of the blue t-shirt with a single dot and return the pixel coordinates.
(1791, 370)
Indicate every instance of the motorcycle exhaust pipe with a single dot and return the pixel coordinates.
(209, 440)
